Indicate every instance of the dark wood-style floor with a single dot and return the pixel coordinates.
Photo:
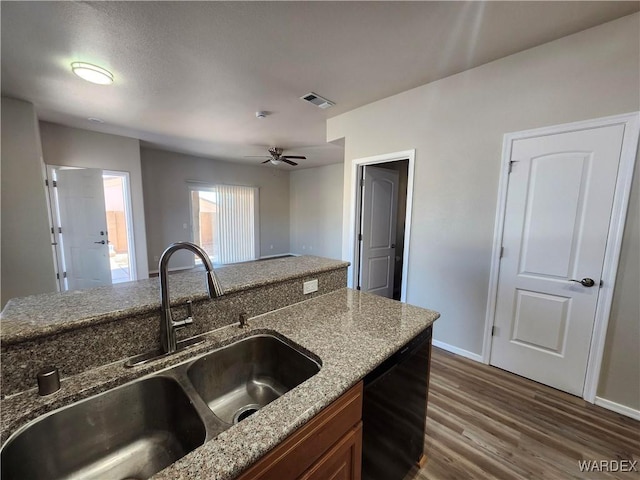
(485, 423)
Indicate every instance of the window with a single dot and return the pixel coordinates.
(225, 222)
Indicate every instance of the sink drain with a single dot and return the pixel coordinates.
(245, 412)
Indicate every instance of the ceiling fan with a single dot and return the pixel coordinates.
(275, 157)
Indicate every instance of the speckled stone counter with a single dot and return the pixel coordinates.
(349, 331)
(35, 316)
(78, 331)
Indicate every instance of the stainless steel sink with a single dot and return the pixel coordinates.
(241, 378)
(136, 430)
(130, 432)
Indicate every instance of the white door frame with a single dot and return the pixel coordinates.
(58, 258)
(355, 211)
(55, 218)
(631, 122)
(128, 213)
(52, 213)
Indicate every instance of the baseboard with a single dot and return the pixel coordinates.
(284, 255)
(618, 408)
(457, 351)
(154, 273)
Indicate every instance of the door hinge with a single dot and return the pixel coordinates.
(54, 183)
(360, 237)
(52, 231)
(59, 229)
(494, 331)
(511, 165)
(362, 182)
(57, 276)
(501, 252)
(64, 274)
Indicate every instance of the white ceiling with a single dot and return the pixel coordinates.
(189, 76)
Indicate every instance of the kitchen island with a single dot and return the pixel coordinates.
(349, 332)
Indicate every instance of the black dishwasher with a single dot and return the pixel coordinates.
(393, 411)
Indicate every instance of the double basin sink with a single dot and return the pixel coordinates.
(136, 430)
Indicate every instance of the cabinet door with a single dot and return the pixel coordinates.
(342, 461)
(306, 447)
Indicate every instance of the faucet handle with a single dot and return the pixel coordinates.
(186, 321)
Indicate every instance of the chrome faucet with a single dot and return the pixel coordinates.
(168, 325)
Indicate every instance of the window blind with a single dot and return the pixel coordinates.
(235, 231)
(225, 221)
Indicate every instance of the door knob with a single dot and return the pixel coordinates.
(101, 242)
(585, 282)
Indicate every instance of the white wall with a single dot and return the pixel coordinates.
(316, 211)
(26, 254)
(165, 177)
(456, 126)
(73, 147)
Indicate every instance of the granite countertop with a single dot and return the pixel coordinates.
(35, 316)
(350, 331)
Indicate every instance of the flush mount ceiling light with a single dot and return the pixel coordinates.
(92, 73)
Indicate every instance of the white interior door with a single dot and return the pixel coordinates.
(84, 227)
(559, 203)
(379, 212)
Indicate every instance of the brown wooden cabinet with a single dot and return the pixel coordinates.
(328, 447)
(342, 462)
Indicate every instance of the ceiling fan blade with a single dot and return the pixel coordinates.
(295, 156)
(285, 160)
(257, 156)
(266, 161)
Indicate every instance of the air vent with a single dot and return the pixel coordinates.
(317, 100)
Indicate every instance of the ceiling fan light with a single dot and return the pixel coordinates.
(92, 73)
(275, 162)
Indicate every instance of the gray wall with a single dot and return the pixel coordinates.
(620, 378)
(26, 257)
(166, 196)
(74, 147)
(456, 126)
(316, 211)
